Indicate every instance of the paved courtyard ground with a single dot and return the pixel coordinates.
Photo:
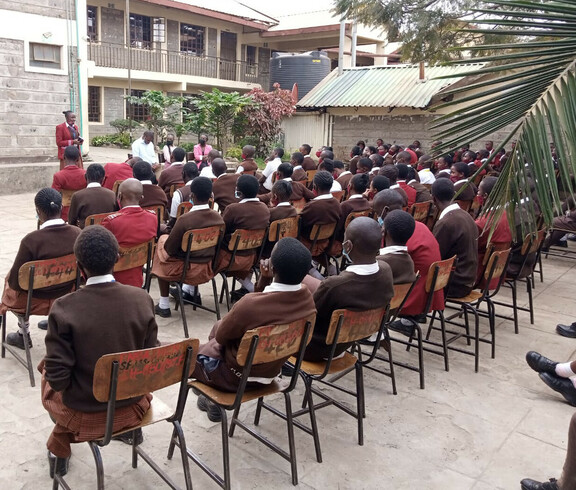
(481, 431)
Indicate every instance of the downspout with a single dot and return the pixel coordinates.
(80, 105)
(68, 60)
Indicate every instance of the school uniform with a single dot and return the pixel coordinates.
(309, 163)
(299, 174)
(70, 178)
(356, 203)
(248, 166)
(223, 190)
(400, 262)
(114, 172)
(95, 199)
(152, 195)
(321, 210)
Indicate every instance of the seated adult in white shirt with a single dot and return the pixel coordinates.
(271, 167)
(144, 148)
(424, 170)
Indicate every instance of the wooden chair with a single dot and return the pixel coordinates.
(324, 232)
(278, 229)
(420, 211)
(241, 240)
(357, 214)
(476, 207)
(401, 293)
(159, 210)
(33, 276)
(135, 373)
(195, 241)
(67, 197)
(96, 219)
(530, 249)
(137, 256)
(338, 195)
(345, 327)
(116, 186)
(299, 205)
(183, 208)
(494, 274)
(258, 346)
(438, 277)
(175, 187)
(310, 174)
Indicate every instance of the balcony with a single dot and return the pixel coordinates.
(177, 63)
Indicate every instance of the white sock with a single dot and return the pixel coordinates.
(563, 370)
(188, 289)
(23, 327)
(247, 284)
(164, 302)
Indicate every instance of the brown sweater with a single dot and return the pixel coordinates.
(83, 326)
(401, 265)
(251, 215)
(93, 200)
(319, 211)
(223, 190)
(48, 243)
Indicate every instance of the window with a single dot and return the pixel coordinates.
(92, 14)
(159, 30)
(137, 112)
(94, 104)
(251, 60)
(192, 39)
(140, 32)
(45, 55)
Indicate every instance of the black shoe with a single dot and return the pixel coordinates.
(186, 297)
(562, 385)
(61, 468)
(238, 294)
(400, 326)
(43, 324)
(566, 330)
(16, 339)
(128, 437)
(287, 370)
(540, 364)
(163, 312)
(210, 408)
(528, 484)
(562, 244)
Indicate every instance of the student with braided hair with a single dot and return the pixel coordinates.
(53, 239)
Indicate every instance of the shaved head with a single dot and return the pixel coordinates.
(130, 192)
(366, 237)
(388, 198)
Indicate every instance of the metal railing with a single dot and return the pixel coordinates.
(176, 62)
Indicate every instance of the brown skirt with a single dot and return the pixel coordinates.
(15, 301)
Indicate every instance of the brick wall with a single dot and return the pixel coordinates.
(113, 108)
(31, 106)
(112, 22)
(48, 8)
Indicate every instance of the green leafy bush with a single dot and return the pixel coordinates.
(234, 152)
(123, 125)
(122, 140)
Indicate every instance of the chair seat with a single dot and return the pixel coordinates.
(157, 412)
(227, 399)
(470, 298)
(338, 365)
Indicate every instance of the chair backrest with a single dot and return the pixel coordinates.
(400, 293)
(142, 371)
(135, 256)
(67, 196)
(476, 206)
(357, 214)
(310, 174)
(322, 232)
(299, 205)
(282, 228)
(96, 219)
(48, 272)
(183, 208)
(175, 187)
(354, 325)
(439, 274)
(159, 210)
(116, 186)
(246, 239)
(201, 238)
(496, 264)
(421, 210)
(274, 342)
(338, 195)
(532, 242)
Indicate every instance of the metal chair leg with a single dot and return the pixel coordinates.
(216, 303)
(360, 407)
(99, 465)
(3, 328)
(258, 410)
(444, 344)
(291, 444)
(225, 449)
(313, 424)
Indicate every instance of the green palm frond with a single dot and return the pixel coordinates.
(531, 88)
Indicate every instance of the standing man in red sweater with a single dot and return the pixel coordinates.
(68, 134)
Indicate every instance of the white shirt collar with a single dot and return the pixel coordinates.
(398, 181)
(52, 222)
(444, 170)
(188, 183)
(288, 179)
(413, 180)
(461, 181)
(346, 172)
(363, 269)
(393, 249)
(249, 199)
(100, 279)
(131, 206)
(93, 184)
(146, 182)
(356, 196)
(395, 186)
(285, 203)
(297, 167)
(452, 207)
(177, 163)
(200, 207)
(280, 287)
(323, 196)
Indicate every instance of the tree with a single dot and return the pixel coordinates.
(263, 118)
(163, 110)
(427, 29)
(533, 87)
(216, 112)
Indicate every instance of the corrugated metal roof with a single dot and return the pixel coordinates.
(383, 86)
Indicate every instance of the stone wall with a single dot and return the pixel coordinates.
(112, 108)
(31, 107)
(112, 22)
(48, 8)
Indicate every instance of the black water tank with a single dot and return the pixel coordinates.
(305, 69)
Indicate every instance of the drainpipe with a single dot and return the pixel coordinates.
(81, 128)
(354, 42)
(341, 46)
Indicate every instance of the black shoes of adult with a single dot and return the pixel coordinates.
(528, 484)
(566, 330)
(186, 297)
(128, 437)
(16, 339)
(61, 468)
(210, 408)
(43, 324)
(403, 328)
(238, 294)
(562, 385)
(163, 312)
(540, 364)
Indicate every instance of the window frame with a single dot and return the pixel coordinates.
(190, 39)
(91, 105)
(140, 35)
(92, 32)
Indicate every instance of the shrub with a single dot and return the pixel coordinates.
(122, 140)
(234, 152)
(123, 125)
